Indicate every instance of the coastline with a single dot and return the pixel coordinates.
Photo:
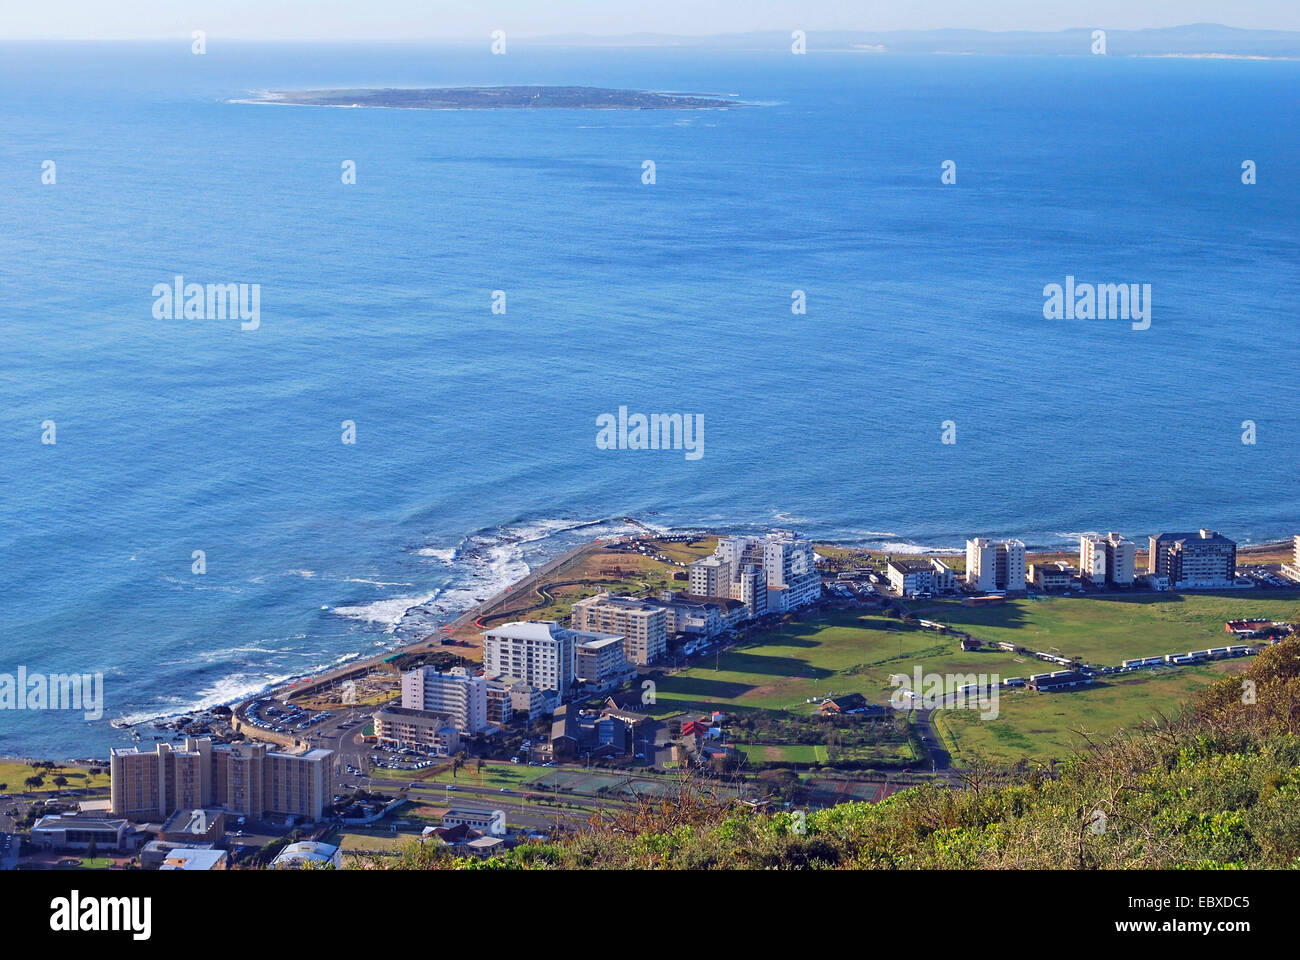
(463, 622)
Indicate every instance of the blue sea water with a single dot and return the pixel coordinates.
(475, 454)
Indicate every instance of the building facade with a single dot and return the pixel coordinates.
(1292, 570)
(1109, 559)
(426, 730)
(539, 652)
(458, 694)
(910, 578)
(1205, 558)
(771, 574)
(245, 778)
(995, 564)
(643, 626)
(602, 661)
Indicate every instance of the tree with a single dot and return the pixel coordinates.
(60, 781)
(34, 782)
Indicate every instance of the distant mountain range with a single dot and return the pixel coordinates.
(1196, 39)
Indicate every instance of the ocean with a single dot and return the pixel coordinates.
(475, 454)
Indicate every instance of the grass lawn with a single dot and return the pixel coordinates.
(13, 774)
(784, 753)
(1106, 630)
(848, 652)
(495, 776)
(89, 863)
(359, 842)
(841, 652)
(1042, 726)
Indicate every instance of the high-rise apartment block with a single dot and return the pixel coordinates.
(1201, 559)
(245, 778)
(642, 625)
(995, 564)
(1109, 559)
(458, 694)
(769, 574)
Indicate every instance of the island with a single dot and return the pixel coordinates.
(494, 98)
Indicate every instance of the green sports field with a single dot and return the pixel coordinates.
(1105, 630)
(848, 652)
(1052, 726)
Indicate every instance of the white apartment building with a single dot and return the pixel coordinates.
(458, 694)
(643, 626)
(1292, 570)
(769, 574)
(995, 564)
(602, 660)
(539, 652)
(710, 577)
(790, 566)
(1092, 558)
(908, 578)
(981, 557)
(750, 588)
(941, 576)
(1108, 559)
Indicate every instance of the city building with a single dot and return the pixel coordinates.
(500, 710)
(153, 853)
(643, 626)
(65, 831)
(995, 564)
(771, 574)
(599, 734)
(245, 778)
(297, 855)
(1056, 575)
(194, 858)
(458, 694)
(709, 577)
(1201, 559)
(509, 699)
(1060, 680)
(701, 616)
(602, 661)
(1292, 570)
(910, 578)
(539, 652)
(481, 820)
(790, 566)
(204, 825)
(750, 588)
(942, 577)
(426, 730)
(1109, 559)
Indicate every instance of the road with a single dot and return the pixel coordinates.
(940, 760)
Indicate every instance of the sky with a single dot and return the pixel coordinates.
(472, 19)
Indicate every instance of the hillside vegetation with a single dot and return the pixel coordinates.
(1217, 787)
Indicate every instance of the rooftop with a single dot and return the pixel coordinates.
(305, 851)
(193, 858)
